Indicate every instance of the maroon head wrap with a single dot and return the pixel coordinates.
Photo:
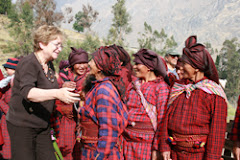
(152, 61)
(198, 57)
(107, 60)
(77, 56)
(123, 56)
(63, 64)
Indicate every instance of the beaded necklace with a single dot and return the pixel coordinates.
(49, 74)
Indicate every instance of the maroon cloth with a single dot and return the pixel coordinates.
(127, 68)
(6, 148)
(200, 114)
(136, 143)
(198, 57)
(63, 64)
(154, 62)
(107, 60)
(77, 56)
(164, 62)
(235, 134)
(67, 126)
(1, 90)
(123, 56)
(1, 75)
(172, 79)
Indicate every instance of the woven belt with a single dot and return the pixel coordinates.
(141, 128)
(89, 132)
(188, 141)
(90, 135)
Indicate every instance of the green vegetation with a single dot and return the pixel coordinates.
(5, 6)
(85, 18)
(155, 40)
(120, 24)
(228, 64)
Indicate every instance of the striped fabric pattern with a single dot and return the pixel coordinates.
(206, 85)
(67, 74)
(66, 128)
(155, 92)
(200, 114)
(105, 108)
(150, 109)
(6, 148)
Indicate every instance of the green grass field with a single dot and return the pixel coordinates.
(231, 112)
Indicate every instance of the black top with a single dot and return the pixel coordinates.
(22, 112)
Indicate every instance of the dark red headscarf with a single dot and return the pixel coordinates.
(77, 56)
(123, 56)
(153, 61)
(107, 60)
(63, 64)
(127, 68)
(198, 57)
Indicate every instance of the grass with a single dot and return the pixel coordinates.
(231, 112)
(5, 37)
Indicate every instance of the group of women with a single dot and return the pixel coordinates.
(118, 111)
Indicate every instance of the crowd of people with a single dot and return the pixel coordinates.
(165, 108)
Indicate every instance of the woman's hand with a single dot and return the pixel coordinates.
(236, 150)
(155, 155)
(82, 95)
(69, 84)
(65, 95)
(166, 155)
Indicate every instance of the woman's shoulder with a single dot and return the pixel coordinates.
(107, 84)
(161, 84)
(106, 87)
(28, 60)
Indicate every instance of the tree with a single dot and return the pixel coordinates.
(85, 18)
(147, 38)
(120, 26)
(21, 28)
(45, 12)
(209, 48)
(25, 16)
(5, 6)
(229, 67)
(155, 40)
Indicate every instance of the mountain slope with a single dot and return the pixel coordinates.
(211, 20)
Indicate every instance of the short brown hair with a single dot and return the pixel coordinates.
(45, 34)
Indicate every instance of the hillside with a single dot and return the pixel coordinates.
(211, 20)
(5, 37)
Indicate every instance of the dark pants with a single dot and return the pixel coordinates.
(30, 143)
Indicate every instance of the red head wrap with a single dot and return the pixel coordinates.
(197, 56)
(123, 56)
(107, 60)
(153, 61)
(77, 56)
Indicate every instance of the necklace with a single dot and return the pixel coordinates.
(49, 74)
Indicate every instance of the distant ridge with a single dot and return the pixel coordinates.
(211, 20)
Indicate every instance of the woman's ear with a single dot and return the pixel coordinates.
(196, 70)
(42, 45)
